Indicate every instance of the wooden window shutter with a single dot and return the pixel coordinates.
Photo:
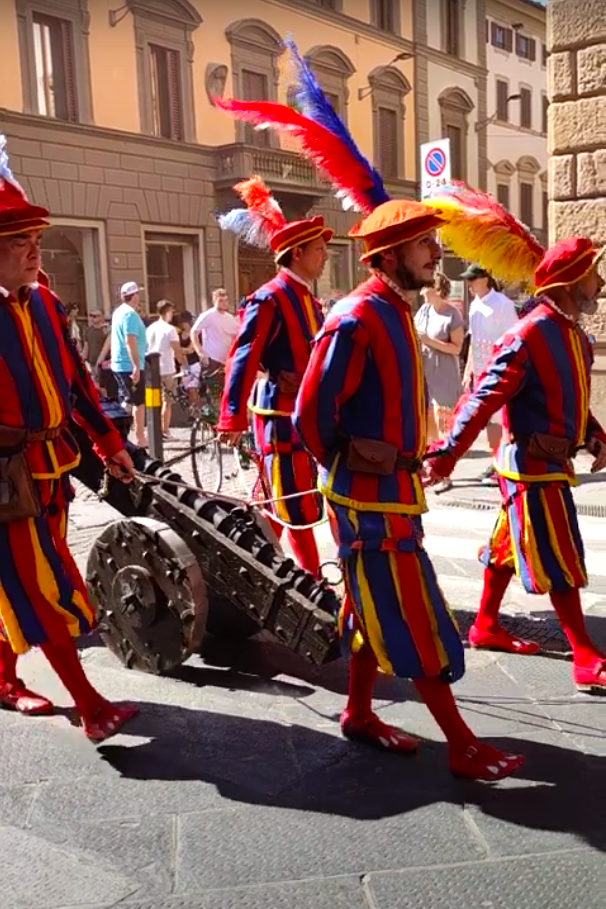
(173, 68)
(69, 69)
(388, 142)
(254, 88)
(493, 34)
(508, 40)
(532, 49)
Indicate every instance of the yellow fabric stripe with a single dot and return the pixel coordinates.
(276, 485)
(58, 470)
(269, 413)
(537, 477)
(583, 385)
(432, 621)
(529, 544)
(47, 585)
(11, 625)
(417, 507)
(46, 382)
(553, 540)
(369, 618)
(311, 316)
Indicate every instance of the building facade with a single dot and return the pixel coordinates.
(107, 108)
(516, 125)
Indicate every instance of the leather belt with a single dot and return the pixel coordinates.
(11, 436)
(411, 465)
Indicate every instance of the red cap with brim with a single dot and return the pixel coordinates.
(567, 262)
(298, 233)
(17, 215)
(393, 223)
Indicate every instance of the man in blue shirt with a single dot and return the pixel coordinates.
(128, 344)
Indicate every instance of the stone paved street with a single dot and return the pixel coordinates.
(234, 790)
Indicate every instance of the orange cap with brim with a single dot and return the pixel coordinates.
(297, 233)
(567, 262)
(393, 223)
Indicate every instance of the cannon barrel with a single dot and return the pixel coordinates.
(181, 564)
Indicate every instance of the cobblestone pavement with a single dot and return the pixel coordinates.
(233, 790)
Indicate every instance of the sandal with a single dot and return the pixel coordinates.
(16, 696)
(483, 762)
(373, 732)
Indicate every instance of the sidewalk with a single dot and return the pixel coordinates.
(468, 492)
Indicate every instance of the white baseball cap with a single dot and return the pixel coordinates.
(130, 289)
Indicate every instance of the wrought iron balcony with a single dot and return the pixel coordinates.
(281, 169)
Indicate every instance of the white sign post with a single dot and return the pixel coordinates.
(435, 166)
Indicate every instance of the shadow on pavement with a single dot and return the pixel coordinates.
(261, 762)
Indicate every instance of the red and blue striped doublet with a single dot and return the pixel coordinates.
(44, 382)
(365, 379)
(278, 325)
(540, 372)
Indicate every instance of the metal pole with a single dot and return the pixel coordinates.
(153, 406)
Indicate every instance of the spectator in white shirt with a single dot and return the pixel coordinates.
(162, 338)
(491, 314)
(214, 331)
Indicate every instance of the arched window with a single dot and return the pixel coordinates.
(389, 89)
(455, 107)
(255, 48)
(332, 69)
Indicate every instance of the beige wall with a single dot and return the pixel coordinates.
(113, 68)
(440, 79)
(11, 94)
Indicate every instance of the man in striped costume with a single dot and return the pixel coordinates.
(540, 373)
(362, 413)
(278, 324)
(43, 598)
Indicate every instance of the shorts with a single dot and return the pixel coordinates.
(129, 393)
(191, 376)
(169, 384)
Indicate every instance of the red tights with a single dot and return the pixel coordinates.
(63, 657)
(303, 544)
(567, 606)
(437, 696)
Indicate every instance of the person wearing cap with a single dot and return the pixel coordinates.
(540, 373)
(275, 333)
(43, 598)
(128, 344)
(491, 314)
(361, 412)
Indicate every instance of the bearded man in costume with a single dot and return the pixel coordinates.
(361, 412)
(540, 373)
(277, 326)
(43, 599)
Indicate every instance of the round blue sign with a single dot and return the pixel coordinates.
(435, 162)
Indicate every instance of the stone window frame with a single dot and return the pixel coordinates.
(389, 89)
(528, 169)
(460, 55)
(455, 108)
(75, 12)
(168, 24)
(333, 69)
(255, 47)
(504, 170)
(374, 17)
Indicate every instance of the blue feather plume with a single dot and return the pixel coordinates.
(305, 94)
(5, 171)
(250, 227)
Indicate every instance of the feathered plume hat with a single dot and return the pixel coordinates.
(262, 222)
(17, 214)
(472, 224)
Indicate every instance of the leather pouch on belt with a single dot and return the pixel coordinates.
(371, 456)
(289, 382)
(544, 447)
(18, 498)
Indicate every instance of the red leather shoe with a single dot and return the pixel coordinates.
(501, 640)
(373, 732)
(590, 678)
(107, 721)
(16, 696)
(483, 762)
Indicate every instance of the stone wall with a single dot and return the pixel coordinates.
(576, 39)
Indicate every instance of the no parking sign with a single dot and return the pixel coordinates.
(435, 166)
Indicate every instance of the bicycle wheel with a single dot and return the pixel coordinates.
(206, 459)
